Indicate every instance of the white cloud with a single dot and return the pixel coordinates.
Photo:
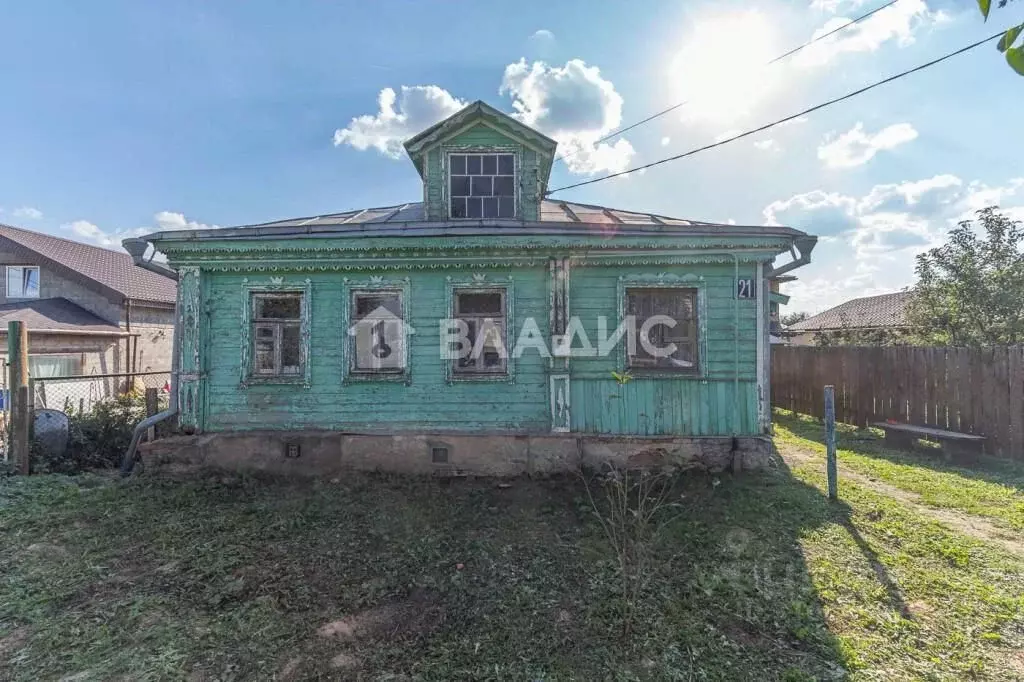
(419, 107)
(723, 136)
(168, 220)
(768, 145)
(27, 212)
(896, 23)
(666, 141)
(165, 220)
(867, 243)
(856, 147)
(542, 36)
(573, 104)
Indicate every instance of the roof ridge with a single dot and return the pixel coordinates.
(63, 239)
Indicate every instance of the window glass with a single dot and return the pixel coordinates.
(377, 334)
(22, 281)
(677, 325)
(277, 334)
(482, 186)
(483, 313)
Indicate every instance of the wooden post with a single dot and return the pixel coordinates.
(17, 357)
(830, 442)
(151, 409)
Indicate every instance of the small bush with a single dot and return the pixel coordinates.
(98, 438)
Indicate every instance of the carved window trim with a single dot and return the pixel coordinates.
(481, 282)
(666, 281)
(351, 287)
(277, 285)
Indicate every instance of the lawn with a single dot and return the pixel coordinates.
(376, 577)
(994, 489)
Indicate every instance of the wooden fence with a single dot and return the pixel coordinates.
(971, 390)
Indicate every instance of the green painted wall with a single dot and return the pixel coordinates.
(713, 404)
(328, 403)
(481, 137)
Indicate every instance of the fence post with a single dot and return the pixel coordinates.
(17, 357)
(152, 396)
(830, 442)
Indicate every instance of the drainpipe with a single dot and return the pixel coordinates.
(804, 245)
(137, 249)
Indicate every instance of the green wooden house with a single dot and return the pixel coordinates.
(485, 328)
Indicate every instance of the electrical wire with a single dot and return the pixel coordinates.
(669, 110)
(780, 121)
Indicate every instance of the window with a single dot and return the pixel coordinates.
(483, 312)
(482, 185)
(377, 332)
(45, 366)
(277, 335)
(667, 305)
(22, 281)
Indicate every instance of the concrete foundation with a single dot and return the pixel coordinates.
(330, 453)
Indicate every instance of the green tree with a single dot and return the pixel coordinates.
(1014, 55)
(970, 291)
(792, 318)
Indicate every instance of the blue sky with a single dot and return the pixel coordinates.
(124, 117)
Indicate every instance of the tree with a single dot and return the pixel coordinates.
(970, 291)
(792, 318)
(1014, 55)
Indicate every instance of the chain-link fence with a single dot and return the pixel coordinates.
(81, 394)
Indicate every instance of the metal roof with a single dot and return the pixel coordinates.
(113, 271)
(409, 220)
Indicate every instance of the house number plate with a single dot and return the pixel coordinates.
(745, 287)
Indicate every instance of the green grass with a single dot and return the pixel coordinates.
(994, 488)
(759, 578)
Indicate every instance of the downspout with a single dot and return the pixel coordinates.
(137, 248)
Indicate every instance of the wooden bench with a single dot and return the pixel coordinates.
(955, 445)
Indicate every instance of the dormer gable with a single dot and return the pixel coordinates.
(482, 164)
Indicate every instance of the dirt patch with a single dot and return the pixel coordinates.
(968, 524)
(419, 615)
(13, 640)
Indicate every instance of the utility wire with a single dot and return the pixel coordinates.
(669, 110)
(781, 120)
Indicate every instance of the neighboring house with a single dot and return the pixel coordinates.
(494, 277)
(88, 310)
(871, 313)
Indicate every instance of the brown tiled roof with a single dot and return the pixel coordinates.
(56, 315)
(112, 270)
(887, 310)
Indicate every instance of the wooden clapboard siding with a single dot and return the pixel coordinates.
(328, 403)
(712, 404)
(971, 390)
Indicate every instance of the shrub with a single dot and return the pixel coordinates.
(98, 437)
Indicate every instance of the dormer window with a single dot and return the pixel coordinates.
(482, 185)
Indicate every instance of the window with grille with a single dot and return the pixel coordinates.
(277, 335)
(483, 312)
(377, 332)
(678, 305)
(22, 281)
(482, 185)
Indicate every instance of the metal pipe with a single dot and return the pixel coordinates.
(137, 249)
(128, 463)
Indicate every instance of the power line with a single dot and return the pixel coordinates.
(669, 110)
(816, 107)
